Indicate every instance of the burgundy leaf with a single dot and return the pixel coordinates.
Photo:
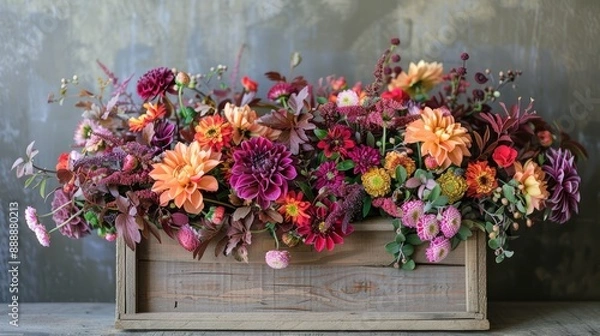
(275, 76)
(128, 229)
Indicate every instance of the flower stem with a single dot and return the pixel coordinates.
(44, 169)
(210, 200)
(383, 140)
(55, 210)
(67, 221)
(419, 154)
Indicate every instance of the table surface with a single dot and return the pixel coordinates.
(506, 318)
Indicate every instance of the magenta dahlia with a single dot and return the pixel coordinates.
(69, 224)
(563, 185)
(155, 82)
(328, 176)
(364, 157)
(451, 221)
(280, 90)
(261, 171)
(428, 227)
(438, 249)
(411, 212)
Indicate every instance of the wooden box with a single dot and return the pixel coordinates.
(160, 286)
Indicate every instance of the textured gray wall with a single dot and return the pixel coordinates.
(553, 42)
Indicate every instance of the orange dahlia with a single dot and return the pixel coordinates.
(533, 182)
(481, 179)
(420, 78)
(244, 122)
(294, 208)
(213, 132)
(153, 112)
(181, 176)
(445, 140)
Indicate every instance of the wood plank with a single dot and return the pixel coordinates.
(175, 286)
(360, 248)
(131, 290)
(121, 274)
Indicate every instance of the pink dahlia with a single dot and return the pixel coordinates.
(320, 233)
(411, 212)
(277, 259)
(338, 140)
(328, 176)
(563, 185)
(280, 90)
(427, 227)
(261, 171)
(65, 217)
(364, 157)
(188, 238)
(438, 249)
(451, 220)
(157, 81)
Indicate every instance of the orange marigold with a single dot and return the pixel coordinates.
(213, 132)
(481, 179)
(181, 176)
(294, 208)
(445, 140)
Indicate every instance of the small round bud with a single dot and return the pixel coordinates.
(174, 70)
(392, 141)
(517, 215)
(504, 201)
(464, 56)
(395, 58)
(529, 222)
(515, 226)
(498, 190)
(63, 86)
(182, 79)
(404, 260)
(496, 228)
(212, 69)
(496, 94)
(75, 78)
(397, 69)
(387, 71)
(396, 265)
(395, 41)
(492, 235)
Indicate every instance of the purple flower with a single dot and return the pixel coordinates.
(563, 184)
(328, 176)
(280, 90)
(364, 157)
(261, 171)
(75, 228)
(155, 82)
(164, 132)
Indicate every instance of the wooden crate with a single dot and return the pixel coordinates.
(160, 286)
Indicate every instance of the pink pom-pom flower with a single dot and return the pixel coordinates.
(438, 249)
(450, 223)
(188, 238)
(42, 235)
(277, 259)
(427, 227)
(411, 212)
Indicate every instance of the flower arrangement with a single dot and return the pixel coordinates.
(208, 162)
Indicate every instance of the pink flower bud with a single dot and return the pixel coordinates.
(110, 237)
(216, 214)
(277, 259)
(188, 238)
(431, 163)
(129, 163)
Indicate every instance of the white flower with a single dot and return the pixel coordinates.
(347, 98)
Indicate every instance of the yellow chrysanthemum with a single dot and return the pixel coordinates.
(376, 182)
(442, 138)
(453, 186)
(181, 176)
(420, 78)
(533, 179)
(394, 159)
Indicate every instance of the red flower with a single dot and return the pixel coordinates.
(504, 156)
(320, 233)
(338, 140)
(545, 138)
(63, 161)
(395, 94)
(249, 84)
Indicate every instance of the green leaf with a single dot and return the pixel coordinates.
(408, 250)
(400, 238)
(345, 165)
(489, 227)
(464, 233)
(509, 193)
(414, 239)
(366, 206)
(409, 266)
(43, 188)
(499, 258)
(509, 254)
(306, 190)
(454, 242)
(396, 223)
(435, 193)
(30, 180)
(521, 207)
(370, 139)
(493, 244)
(401, 174)
(321, 134)
(440, 201)
(322, 100)
(392, 247)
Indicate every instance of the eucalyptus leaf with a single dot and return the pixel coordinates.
(322, 100)
(408, 250)
(414, 239)
(500, 258)
(409, 266)
(392, 247)
(400, 238)
(366, 206)
(345, 165)
(464, 233)
(493, 244)
(509, 193)
(401, 174)
(320, 133)
(509, 254)
(370, 139)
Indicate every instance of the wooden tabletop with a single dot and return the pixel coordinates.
(506, 318)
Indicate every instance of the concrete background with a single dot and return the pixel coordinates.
(553, 42)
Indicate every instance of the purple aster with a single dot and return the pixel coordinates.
(411, 212)
(155, 82)
(328, 176)
(75, 228)
(364, 157)
(261, 171)
(164, 132)
(563, 184)
(451, 221)
(280, 90)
